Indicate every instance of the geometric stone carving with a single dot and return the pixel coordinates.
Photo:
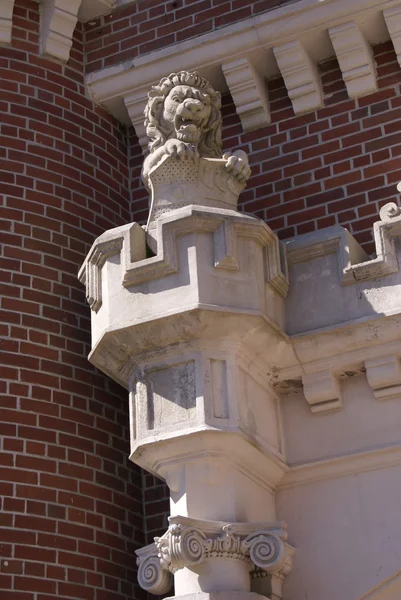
(322, 391)
(355, 58)
(6, 23)
(384, 377)
(190, 542)
(301, 77)
(392, 16)
(58, 21)
(249, 93)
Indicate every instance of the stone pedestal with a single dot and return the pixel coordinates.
(193, 332)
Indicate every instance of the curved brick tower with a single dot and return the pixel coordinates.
(311, 91)
(71, 510)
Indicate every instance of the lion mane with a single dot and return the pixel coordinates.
(210, 143)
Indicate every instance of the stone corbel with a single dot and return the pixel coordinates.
(135, 104)
(6, 20)
(355, 58)
(249, 93)
(188, 543)
(322, 391)
(301, 77)
(384, 377)
(58, 21)
(392, 16)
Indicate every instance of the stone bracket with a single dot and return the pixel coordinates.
(392, 16)
(384, 376)
(135, 104)
(58, 21)
(249, 93)
(322, 391)
(301, 77)
(6, 20)
(355, 58)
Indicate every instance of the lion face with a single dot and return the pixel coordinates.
(186, 113)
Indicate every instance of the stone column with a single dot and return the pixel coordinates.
(193, 332)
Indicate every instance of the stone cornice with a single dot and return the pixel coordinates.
(304, 23)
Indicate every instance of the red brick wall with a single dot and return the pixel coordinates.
(337, 165)
(149, 25)
(71, 513)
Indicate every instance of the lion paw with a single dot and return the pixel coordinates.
(237, 164)
(181, 150)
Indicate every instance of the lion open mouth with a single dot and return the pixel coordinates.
(186, 125)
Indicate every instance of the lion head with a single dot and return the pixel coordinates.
(184, 106)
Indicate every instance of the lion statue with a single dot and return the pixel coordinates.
(183, 120)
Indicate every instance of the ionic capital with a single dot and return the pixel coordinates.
(189, 542)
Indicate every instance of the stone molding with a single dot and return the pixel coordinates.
(249, 93)
(327, 355)
(294, 31)
(390, 589)
(355, 58)
(301, 77)
(130, 241)
(342, 466)
(6, 20)
(353, 263)
(189, 542)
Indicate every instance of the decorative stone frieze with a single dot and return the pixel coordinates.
(355, 58)
(384, 377)
(301, 77)
(58, 21)
(6, 23)
(249, 92)
(392, 16)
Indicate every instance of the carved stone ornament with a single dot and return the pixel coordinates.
(185, 164)
(188, 542)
